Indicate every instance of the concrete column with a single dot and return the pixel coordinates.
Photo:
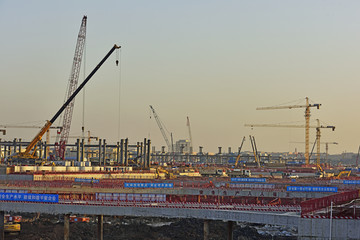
(126, 151)
(100, 152)
(100, 229)
(78, 150)
(117, 152)
(104, 152)
(82, 149)
(122, 161)
(20, 145)
(2, 234)
(143, 153)
(148, 153)
(206, 230)
(45, 151)
(230, 227)
(66, 226)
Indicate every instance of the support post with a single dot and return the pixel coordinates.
(230, 226)
(104, 152)
(122, 160)
(100, 152)
(148, 153)
(78, 150)
(66, 226)
(126, 151)
(118, 153)
(100, 231)
(2, 234)
(82, 149)
(206, 229)
(143, 153)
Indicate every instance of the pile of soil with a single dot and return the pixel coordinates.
(51, 227)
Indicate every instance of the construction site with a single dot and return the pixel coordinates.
(88, 178)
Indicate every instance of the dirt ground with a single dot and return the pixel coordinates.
(50, 227)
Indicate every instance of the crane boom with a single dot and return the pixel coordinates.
(15, 126)
(73, 82)
(239, 156)
(161, 129)
(37, 138)
(286, 126)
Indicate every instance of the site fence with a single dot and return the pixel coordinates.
(324, 202)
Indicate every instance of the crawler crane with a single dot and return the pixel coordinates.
(30, 152)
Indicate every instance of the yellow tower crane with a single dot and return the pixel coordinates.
(307, 107)
(318, 127)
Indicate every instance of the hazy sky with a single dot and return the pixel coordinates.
(214, 61)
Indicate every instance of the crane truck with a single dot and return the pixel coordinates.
(29, 155)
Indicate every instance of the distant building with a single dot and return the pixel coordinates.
(182, 146)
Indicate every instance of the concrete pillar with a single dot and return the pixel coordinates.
(45, 150)
(117, 152)
(148, 153)
(66, 226)
(100, 152)
(82, 149)
(230, 227)
(20, 145)
(2, 234)
(206, 230)
(144, 163)
(78, 150)
(100, 229)
(122, 160)
(126, 151)
(104, 152)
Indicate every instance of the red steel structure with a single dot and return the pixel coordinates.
(72, 85)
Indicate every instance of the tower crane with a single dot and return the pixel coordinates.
(170, 148)
(318, 127)
(73, 82)
(307, 107)
(32, 145)
(190, 136)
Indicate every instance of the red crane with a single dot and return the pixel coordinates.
(73, 82)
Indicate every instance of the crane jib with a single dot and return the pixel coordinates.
(38, 137)
(83, 84)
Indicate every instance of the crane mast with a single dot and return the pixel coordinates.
(190, 136)
(161, 129)
(73, 82)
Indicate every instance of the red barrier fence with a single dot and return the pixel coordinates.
(324, 202)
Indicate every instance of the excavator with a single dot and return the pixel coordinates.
(346, 173)
(29, 154)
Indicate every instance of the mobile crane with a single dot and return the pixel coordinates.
(27, 154)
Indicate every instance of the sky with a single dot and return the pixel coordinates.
(212, 61)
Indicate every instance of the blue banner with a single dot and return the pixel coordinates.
(29, 197)
(87, 180)
(248, 179)
(148, 185)
(311, 189)
(351, 182)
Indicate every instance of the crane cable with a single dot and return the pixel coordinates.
(118, 63)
